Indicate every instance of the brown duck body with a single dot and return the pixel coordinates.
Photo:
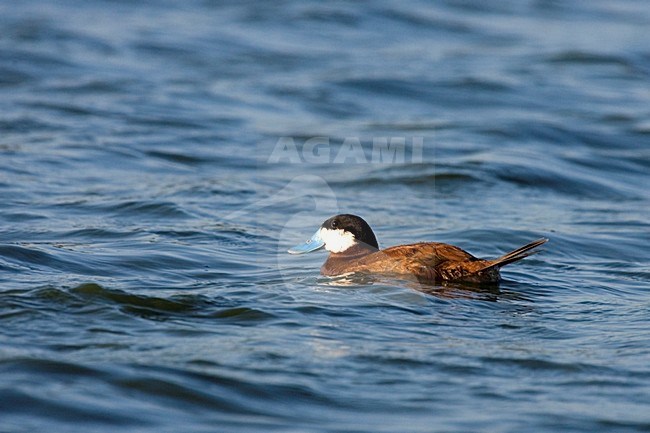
(354, 248)
(426, 261)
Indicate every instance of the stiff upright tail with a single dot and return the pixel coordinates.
(516, 255)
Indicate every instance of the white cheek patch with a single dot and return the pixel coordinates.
(337, 241)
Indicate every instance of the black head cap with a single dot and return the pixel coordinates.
(355, 225)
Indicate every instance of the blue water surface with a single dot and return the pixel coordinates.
(158, 158)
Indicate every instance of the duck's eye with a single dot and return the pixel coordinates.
(335, 224)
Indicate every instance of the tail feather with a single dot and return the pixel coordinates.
(516, 255)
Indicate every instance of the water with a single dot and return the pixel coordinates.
(145, 216)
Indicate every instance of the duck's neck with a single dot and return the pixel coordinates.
(354, 252)
(338, 263)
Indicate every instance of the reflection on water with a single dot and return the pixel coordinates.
(445, 289)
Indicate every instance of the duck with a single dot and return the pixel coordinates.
(353, 248)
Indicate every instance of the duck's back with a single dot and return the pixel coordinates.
(430, 261)
(424, 260)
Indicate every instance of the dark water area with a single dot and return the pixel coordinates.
(158, 158)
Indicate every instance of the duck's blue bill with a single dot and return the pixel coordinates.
(311, 245)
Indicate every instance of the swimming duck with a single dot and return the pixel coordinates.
(353, 248)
